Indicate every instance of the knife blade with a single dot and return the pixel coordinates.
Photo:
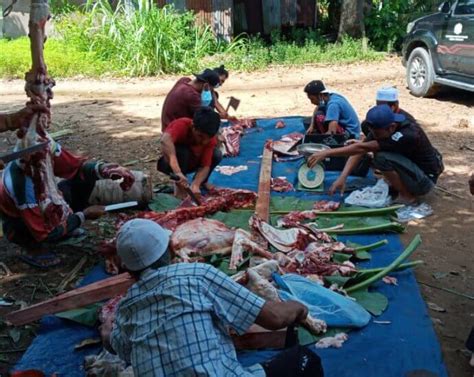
(194, 198)
(23, 152)
(114, 207)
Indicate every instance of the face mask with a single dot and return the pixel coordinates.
(206, 97)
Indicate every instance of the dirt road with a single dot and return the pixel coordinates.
(120, 121)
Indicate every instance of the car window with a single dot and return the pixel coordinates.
(464, 7)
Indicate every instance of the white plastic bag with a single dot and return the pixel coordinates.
(372, 196)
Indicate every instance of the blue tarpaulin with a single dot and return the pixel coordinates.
(404, 342)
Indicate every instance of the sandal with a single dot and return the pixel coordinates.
(43, 261)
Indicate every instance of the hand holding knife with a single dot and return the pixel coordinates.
(177, 179)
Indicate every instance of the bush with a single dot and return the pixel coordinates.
(63, 60)
(148, 41)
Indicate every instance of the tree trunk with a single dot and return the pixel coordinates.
(352, 19)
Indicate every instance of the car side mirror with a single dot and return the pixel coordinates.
(445, 7)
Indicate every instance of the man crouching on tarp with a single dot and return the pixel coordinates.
(37, 211)
(175, 320)
(402, 153)
(190, 145)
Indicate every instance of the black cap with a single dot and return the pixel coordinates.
(207, 120)
(208, 76)
(315, 87)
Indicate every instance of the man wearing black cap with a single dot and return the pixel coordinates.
(189, 145)
(333, 114)
(402, 152)
(187, 96)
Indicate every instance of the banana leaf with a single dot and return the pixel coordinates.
(306, 338)
(286, 204)
(234, 219)
(163, 202)
(362, 211)
(374, 302)
(357, 225)
(86, 316)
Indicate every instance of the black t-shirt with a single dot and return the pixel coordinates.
(410, 141)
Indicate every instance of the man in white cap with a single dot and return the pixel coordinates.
(175, 320)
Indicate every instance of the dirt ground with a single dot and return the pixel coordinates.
(119, 120)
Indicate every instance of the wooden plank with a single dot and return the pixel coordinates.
(271, 15)
(259, 338)
(77, 298)
(288, 12)
(262, 208)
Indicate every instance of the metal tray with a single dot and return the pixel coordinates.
(309, 148)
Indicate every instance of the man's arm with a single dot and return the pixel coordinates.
(201, 176)
(340, 182)
(346, 151)
(277, 315)
(169, 151)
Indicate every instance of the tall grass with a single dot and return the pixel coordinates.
(144, 40)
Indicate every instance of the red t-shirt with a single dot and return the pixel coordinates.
(181, 102)
(180, 132)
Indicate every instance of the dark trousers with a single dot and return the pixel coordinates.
(187, 162)
(76, 192)
(297, 361)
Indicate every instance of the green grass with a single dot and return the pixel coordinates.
(63, 60)
(149, 41)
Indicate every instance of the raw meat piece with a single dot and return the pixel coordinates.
(201, 237)
(231, 140)
(261, 286)
(315, 326)
(216, 200)
(283, 240)
(107, 311)
(294, 218)
(286, 143)
(332, 341)
(326, 206)
(280, 124)
(243, 241)
(281, 184)
(390, 280)
(266, 269)
(230, 170)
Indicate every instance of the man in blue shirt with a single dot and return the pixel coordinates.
(333, 114)
(175, 320)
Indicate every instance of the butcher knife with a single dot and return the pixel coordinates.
(23, 152)
(194, 198)
(234, 103)
(114, 207)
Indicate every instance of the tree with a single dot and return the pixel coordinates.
(352, 19)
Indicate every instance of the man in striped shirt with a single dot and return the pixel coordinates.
(175, 320)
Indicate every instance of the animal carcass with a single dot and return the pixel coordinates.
(201, 237)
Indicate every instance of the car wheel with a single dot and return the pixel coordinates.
(420, 73)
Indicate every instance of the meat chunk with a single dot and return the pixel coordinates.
(332, 341)
(326, 206)
(201, 237)
(243, 242)
(281, 184)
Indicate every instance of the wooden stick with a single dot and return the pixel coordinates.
(448, 192)
(262, 208)
(452, 291)
(71, 275)
(76, 298)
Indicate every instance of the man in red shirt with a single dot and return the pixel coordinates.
(186, 96)
(190, 145)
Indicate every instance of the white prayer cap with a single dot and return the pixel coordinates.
(387, 94)
(140, 243)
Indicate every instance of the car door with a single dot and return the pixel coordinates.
(456, 47)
